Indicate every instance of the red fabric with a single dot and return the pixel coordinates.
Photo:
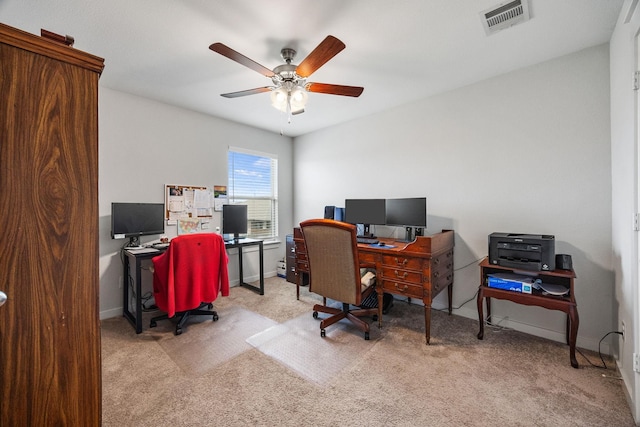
(192, 271)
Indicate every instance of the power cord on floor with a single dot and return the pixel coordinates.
(604, 365)
(474, 295)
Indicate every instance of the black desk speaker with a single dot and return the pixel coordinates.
(563, 262)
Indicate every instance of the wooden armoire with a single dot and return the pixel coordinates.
(50, 366)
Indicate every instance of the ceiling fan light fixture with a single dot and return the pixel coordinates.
(298, 98)
(279, 99)
(289, 100)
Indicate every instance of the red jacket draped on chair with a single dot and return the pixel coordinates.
(192, 271)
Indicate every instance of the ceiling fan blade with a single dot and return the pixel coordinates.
(240, 59)
(246, 92)
(330, 89)
(327, 49)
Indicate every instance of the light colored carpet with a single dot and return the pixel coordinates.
(507, 379)
(205, 344)
(297, 344)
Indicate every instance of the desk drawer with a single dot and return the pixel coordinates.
(302, 266)
(402, 262)
(399, 274)
(366, 257)
(439, 283)
(402, 288)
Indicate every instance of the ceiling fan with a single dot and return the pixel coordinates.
(290, 85)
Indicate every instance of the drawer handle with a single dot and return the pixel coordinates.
(404, 275)
(403, 289)
(436, 261)
(293, 250)
(436, 274)
(403, 262)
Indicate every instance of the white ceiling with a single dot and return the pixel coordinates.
(399, 51)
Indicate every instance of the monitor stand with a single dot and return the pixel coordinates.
(408, 234)
(134, 242)
(366, 232)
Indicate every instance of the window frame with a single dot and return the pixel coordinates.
(236, 193)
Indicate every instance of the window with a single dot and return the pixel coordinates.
(253, 180)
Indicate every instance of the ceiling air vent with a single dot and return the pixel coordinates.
(504, 15)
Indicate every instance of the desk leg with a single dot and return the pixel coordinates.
(240, 265)
(138, 297)
(380, 293)
(125, 292)
(480, 314)
(427, 322)
(261, 268)
(450, 295)
(574, 320)
(260, 288)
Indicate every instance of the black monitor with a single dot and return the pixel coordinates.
(366, 212)
(408, 213)
(133, 220)
(234, 220)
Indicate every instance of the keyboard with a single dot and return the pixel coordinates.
(141, 250)
(367, 240)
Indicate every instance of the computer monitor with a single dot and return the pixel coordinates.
(366, 212)
(408, 213)
(234, 220)
(133, 220)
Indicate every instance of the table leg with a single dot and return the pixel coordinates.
(574, 319)
(380, 293)
(261, 268)
(480, 314)
(427, 322)
(240, 265)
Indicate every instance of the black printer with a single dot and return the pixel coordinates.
(523, 251)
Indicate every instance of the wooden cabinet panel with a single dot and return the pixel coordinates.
(50, 372)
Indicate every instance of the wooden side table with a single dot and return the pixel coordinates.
(565, 303)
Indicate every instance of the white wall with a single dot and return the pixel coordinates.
(624, 196)
(144, 145)
(526, 152)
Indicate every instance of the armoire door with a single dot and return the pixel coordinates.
(50, 368)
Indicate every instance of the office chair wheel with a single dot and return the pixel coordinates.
(315, 315)
(215, 317)
(322, 333)
(210, 306)
(178, 331)
(153, 324)
(366, 336)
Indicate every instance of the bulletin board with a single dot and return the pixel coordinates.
(187, 201)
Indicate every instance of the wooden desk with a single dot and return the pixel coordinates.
(566, 304)
(419, 269)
